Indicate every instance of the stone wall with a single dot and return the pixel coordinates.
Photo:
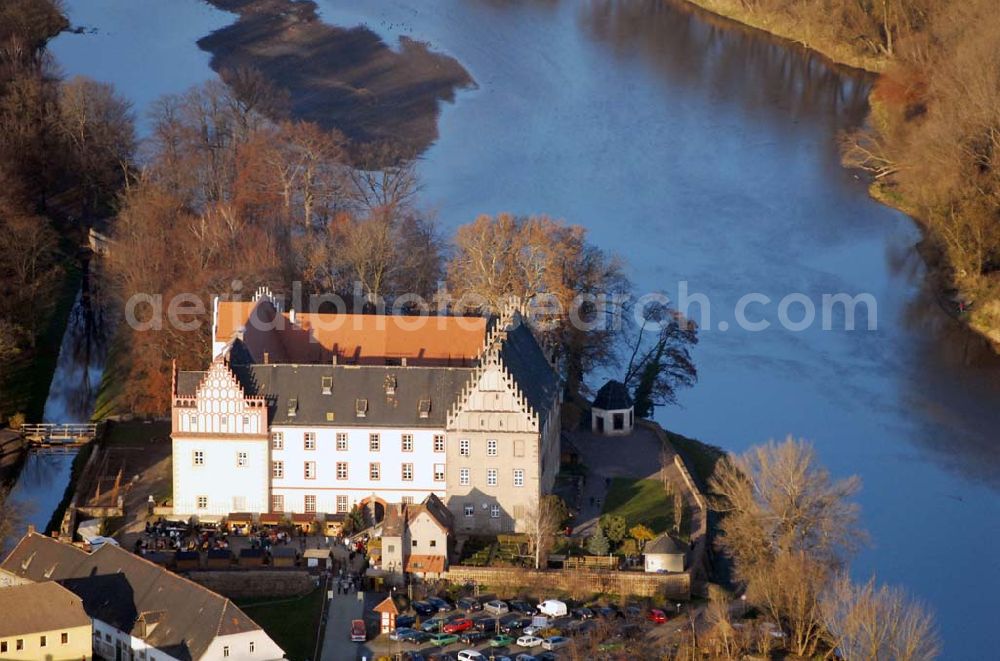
(255, 584)
(577, 583)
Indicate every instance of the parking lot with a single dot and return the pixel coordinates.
(515, 630)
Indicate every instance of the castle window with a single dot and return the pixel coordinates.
(439, 442)
(407, 443)
(439, 472)
(201, 502)
(310, 504)
(309, 440)
(463, 447)
(361, 407)
(463, 477)
(491, 447)
(494, 511)
(277, 469)
(242, 460)
(277, 503)
(491, 477)
(374, 443)
(341, 470)
(424, 408)
(342, 441)
(341, 504)
(309, 470)
(277, 441)
(374, 471)
(469, 509)
(327, 383)
(293, 407)
(518, 477)
(199, 458)
(407, 472)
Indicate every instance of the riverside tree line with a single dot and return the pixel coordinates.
(933, 139)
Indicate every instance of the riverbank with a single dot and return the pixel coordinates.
(793, 31)
(346, 79)
(947, 289)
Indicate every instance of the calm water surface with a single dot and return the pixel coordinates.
(703, 154)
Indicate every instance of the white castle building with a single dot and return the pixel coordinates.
(315, 413)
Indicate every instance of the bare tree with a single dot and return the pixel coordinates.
(541, 525)
(867, 621)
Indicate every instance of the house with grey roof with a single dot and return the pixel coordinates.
(316, 414)
(138, 609)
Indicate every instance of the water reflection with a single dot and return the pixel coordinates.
(80, 363)
(706, 53)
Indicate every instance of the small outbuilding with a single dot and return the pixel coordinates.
(664, 554)
(283, 556)
(387, 611)
(251, 557)
(612, 413)
(316, 559)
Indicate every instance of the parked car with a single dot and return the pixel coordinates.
(555, 643)
(443, 639)
(440, 604)
(472, 637)
(405, 621)
(424, 608)
(553, 608)
(633, 611)
(656, 616)
(496, 607)
(521, 606)
(488, 624)
(401, 633)
(417, 637)
(529, 641)
(525, 657)
(470, 655)
(469, 604)
(432, 625)
(580, 613)
(358, 632)
(501, 640)
(457, 626)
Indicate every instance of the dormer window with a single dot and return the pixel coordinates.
(424, 408)
(390, 384)
(293, 407)
(361, 407)
(327, 385)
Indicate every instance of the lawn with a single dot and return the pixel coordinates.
(639, 501)
(291, 623)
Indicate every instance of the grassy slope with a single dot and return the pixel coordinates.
(639, 501)
(292, 623)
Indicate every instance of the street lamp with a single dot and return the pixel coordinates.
(743, 601)
(678, 606)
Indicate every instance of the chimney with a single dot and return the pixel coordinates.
(404, 361)
(291, 315)
(334, 360)
(267, 357)
(31, 528)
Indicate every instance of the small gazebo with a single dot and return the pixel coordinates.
(612, 413)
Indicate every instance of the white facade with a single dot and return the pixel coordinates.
(316, 467)
(246, 646)
(220, 449)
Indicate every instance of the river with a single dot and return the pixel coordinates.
(702, 153)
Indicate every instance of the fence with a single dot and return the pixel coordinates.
(578, 583)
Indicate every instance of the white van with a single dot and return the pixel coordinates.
(553, 608)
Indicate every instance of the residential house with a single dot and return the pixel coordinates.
(137, 609)
(43, 621)
(415, 538)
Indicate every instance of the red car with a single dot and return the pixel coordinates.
(458, 626)
(656, 616)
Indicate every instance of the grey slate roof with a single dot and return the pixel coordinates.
(121, 588)
(38, 607)
(665, 545)
(530, 368)
(613, 396)
(304, 383)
